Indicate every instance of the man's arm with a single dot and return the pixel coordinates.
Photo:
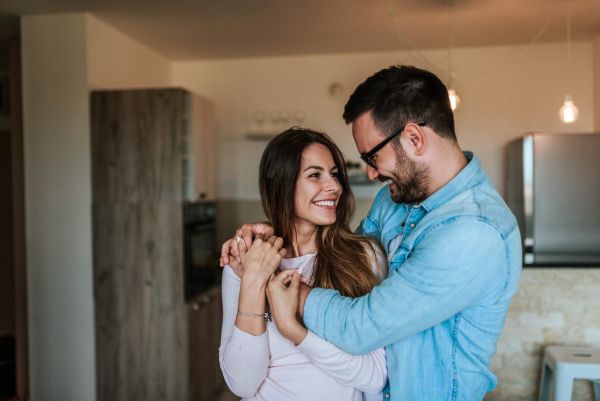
(454, 265)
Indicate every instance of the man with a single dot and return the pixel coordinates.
(453, 247)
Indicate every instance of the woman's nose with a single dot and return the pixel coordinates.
(332, 185)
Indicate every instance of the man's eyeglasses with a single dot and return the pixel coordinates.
(369, 157)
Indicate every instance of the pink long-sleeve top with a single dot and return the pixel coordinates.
(269, 367)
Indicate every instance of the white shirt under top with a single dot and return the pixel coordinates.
(269, 367)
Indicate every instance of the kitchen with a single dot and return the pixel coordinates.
(506, 90)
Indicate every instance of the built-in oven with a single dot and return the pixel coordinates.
(201, 252)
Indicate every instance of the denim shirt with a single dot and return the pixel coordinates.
(441, 309)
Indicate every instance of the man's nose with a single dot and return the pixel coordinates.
(372, 173)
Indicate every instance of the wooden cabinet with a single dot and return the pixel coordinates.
(199, 150)
(205, 316)
(141, 322)
(139, 153)
(152, 145)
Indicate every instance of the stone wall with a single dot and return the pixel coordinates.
(553, 306)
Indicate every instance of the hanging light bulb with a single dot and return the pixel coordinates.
(568, 113)
(454, 99)
(452, 95)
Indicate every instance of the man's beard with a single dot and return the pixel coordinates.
(409, 181)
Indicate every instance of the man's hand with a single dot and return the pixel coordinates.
(230, 253)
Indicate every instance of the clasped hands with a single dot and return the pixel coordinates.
(256, 261)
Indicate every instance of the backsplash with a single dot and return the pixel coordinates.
(553, 306)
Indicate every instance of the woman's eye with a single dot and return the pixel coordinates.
(314, 175)
(335, 174)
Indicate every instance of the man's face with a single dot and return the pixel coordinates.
(407, 178)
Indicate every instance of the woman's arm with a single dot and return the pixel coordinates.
(243, 357)
(244, 351)
(259, 262)
(367, 373)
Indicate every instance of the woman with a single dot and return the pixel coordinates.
(306, 197)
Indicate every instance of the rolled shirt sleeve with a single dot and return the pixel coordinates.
(448, 269)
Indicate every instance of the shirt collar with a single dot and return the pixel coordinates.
(470, 175)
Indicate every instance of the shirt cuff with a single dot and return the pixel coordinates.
(315, 309)
(242, 343)
(312, 345)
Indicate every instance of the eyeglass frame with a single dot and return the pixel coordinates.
(368, 156)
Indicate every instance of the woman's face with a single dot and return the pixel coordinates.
(317, 187)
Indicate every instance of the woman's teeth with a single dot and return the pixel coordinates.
(325, 203)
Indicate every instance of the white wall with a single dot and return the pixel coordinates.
(505, 91)
(57, 198)
(117, 61)
(64, 57)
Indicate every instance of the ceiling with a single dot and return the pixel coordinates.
(205, 29)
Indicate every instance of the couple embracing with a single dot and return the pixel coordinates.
(409, 307)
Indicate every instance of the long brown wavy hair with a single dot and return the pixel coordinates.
(342, 262)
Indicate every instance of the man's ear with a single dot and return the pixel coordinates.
(416, 139)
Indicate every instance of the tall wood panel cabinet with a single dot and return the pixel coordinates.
(148, 152)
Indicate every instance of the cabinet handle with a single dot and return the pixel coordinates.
(203, 301)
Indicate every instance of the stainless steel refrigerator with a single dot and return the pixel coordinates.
(553, 188)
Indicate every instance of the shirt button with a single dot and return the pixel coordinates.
(386, 395)
(412, 225)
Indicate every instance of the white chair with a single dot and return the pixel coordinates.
(563, 365)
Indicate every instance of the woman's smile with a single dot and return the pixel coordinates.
(327, 204)
(317, 188)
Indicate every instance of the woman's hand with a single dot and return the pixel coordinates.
(230, 253)
(261, 259)
(282, 293)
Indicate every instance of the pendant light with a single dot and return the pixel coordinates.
(454, 99)
(568, 112)
(452, 95)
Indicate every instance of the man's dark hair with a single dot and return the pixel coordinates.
(401, 94)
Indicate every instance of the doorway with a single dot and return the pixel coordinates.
(13, 296)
